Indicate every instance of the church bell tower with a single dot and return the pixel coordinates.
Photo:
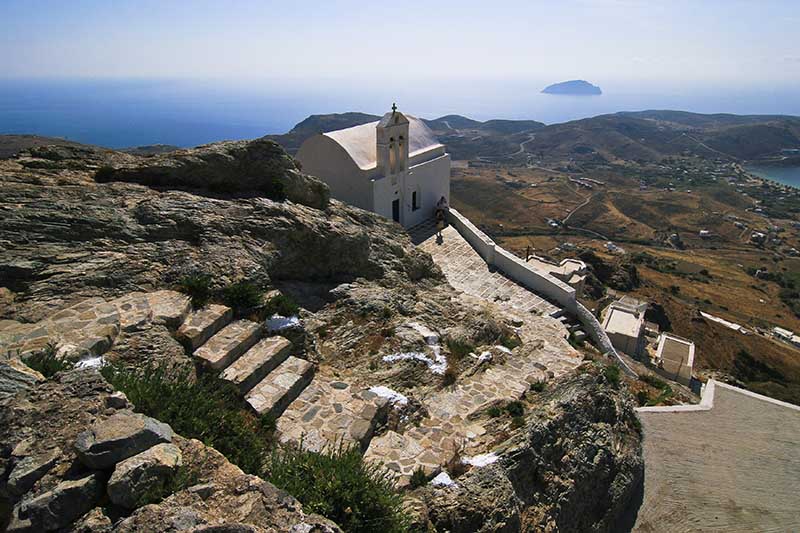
(392, 144)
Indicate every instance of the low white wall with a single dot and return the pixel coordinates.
(536, 280)
(478, 239)
(540, 282)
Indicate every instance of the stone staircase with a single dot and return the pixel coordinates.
(265, 374)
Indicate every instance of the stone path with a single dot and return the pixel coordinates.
(452, 424)
(734, 467)
(467, 271)
(90, 327)
(330, 412)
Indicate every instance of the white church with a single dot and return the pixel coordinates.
(395, 167)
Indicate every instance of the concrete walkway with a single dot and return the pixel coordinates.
(469, 273)
(732, 467)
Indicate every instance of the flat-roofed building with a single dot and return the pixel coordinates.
(675, 357)
(624, 325)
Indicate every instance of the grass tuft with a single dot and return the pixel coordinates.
(197, 287)
(281, 305)
(46, 362)
(207, 409)
(242, 296)
(338, 484)
(612, 375)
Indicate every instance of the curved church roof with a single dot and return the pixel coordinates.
(360, 141)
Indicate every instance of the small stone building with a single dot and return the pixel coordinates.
(394, 167)
(675, 357)
(624, 325)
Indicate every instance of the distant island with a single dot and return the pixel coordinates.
(575, 87)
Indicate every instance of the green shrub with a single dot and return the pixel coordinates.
(338, 484)
(515, 408)
(242, 296)
(612, 375)
(538, 386)
(197, 287)
(207, 409)
(517, 422)
(642, 397)
(459, 349)
(450, 374)
(104, 174)
(510, 339)
(494, 411)
(418, 478)
(281, 305)
(46, 362)
(652, 381)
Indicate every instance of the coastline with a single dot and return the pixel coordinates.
(789, 176)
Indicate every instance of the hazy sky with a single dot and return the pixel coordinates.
(606, 41)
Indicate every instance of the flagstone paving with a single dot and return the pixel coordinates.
(331, 412)
(466, 271)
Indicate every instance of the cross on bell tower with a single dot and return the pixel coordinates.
(394, 107)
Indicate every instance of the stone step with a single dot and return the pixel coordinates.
(573, 327)
(558, 313)
(204, 323)
(257, 362)
(227, 345)
(580, 335)
(329, 413)
(273, 394)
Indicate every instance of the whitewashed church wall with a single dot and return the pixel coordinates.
(327, 160)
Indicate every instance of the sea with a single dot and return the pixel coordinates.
(785, 175)
(119, 113)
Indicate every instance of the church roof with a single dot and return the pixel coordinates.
(360, 141)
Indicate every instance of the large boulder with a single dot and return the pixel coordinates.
(29, 470)
(259, 167)
(118, 437)
(16, 376)
(576, 465)
(58, 507)
(138, 479)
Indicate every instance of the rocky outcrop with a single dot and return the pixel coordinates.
(64, 237)
(137, 478)
(118, 437)
(573, 466)
(231, 167)
(46, 483)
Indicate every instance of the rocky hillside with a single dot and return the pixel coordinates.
(378, 352)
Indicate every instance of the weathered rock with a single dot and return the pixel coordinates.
(29, 470)
(92, 522)
(68, 238)
(225, 499)
(140, 477)
(58, 507)
(154, 347)
(120, 436)
(53, 412)
(230, 167)
(16, 376)
(118, 400)
(573, 467)
(169, 307)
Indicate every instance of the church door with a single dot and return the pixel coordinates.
(396, 210)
